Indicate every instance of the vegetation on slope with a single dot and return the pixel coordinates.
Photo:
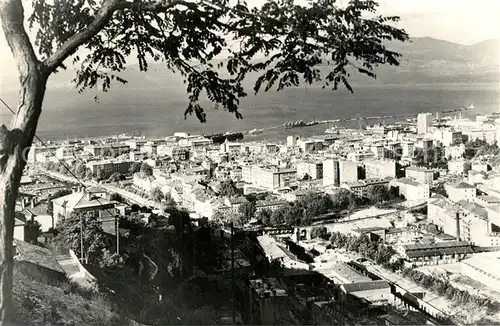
(38, 303)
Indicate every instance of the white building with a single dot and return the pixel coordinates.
(348, 171)
(413, 191)
(407, 149)
(424, 123)
(378, 150)
(380, 169)
(420, 174)
(360, 156)
(64, 153)
(460, 191)
(291, 141)
(331, 173)
(313, 169)
(459, 167)
(454, 151)
(479, 166)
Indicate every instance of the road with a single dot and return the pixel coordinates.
(130, 196)
(440, 302)
(136, 199)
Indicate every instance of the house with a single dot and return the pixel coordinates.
(374, 233)
(475, 177)
(19, 224)
(459, 167)
(304, 296)
(266, 296)
(271, 205)
(376, 292)
(82, 201)
(235, 203)
(421, 254)
(460, 191)
(37, 262)
(420, 174)
(108, 167)
(343, 274)
(413, 191)
(361, 188)
(276, 251)
(39, 212)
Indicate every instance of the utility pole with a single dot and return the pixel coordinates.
(117, 222)
(232, 274)
(81, 238)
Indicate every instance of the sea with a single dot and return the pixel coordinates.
(157, 112)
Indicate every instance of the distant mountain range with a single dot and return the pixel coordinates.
(429, 60)
(424, 60)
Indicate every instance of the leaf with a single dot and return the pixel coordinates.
(283, 42)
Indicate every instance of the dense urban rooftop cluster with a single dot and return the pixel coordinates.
(385, 200)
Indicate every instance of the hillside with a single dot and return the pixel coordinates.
(428, 60)
(41, 304)
(425, 60)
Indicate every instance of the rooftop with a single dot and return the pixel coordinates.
(474, 208)
(365, 286)
(81, 200)
(36, 255)
(39, 209)
(269, 287)
(489, 199)
(437, 245)
(348, 273)
(418, 168)
(366, 182)
(409, 182)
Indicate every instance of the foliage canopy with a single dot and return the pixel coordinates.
(282, 41)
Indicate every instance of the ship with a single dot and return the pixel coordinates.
(312, 123)
(255, 131)
(299, 123)
(221, 138)
(294, 124)
(471, 107)
(332, 130)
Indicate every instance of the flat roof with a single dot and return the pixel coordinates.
(437, 245)
(267, 287)
(347, 272)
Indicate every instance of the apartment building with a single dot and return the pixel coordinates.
(420, 174)
(407, 149)
(360, 156)
(459, 167)
(413, 191)
(380, 169)
(361, 188)
(336, 172)
(464, 220)
(100, 150)
(269, 177)
(108, 167)
(460, 191)
(424, 123)
(313, 169)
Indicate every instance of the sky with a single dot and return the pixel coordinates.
(459, 21)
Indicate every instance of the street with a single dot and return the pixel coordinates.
(110, 188)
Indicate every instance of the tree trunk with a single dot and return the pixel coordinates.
(15, 144)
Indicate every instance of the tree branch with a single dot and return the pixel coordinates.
(100, 19)
(74, 42)
(12, 17)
